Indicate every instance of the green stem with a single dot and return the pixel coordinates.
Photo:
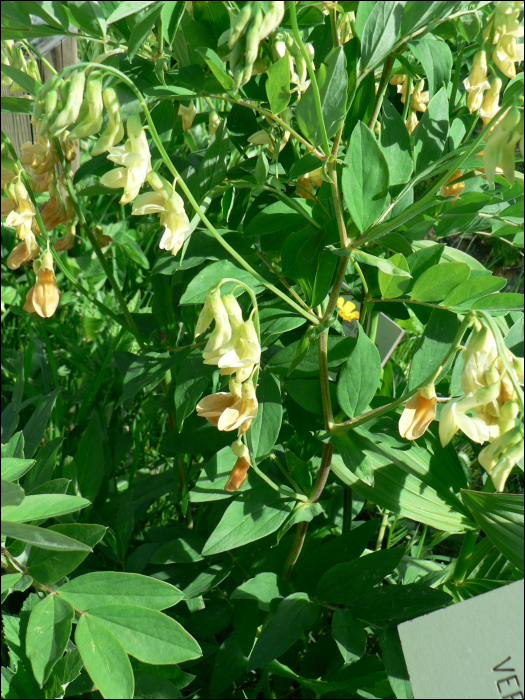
(325, 383)
(382, 530)
(408, 98)
(336, 289)
(347, 508)
(383, 84)
(31, 49)
(311, 74)
(96, 247)
(455, 82)
(300, 534)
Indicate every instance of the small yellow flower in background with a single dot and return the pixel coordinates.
(260, 138)
(490, 106)
(347, 310)
(24, 252)
(452, 188)
(305, 182)
(240, 470)
(397, 79)
(419, 412)
(43, 298)
(188, 115)
(477, 82)
(135, 158)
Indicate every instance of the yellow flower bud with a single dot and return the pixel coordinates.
(411, 122)
(490, 106)
(213, 123)
(188, 115)
(240, 470)
(114, 132)
(69, 114)
(90, 116)
(477, 81)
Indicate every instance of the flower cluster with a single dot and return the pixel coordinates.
(284, 45)
(248, 29)
(418, 100)
(486, 413)
(505, 28)
(501, 145)
(166, 202)
(234, 348)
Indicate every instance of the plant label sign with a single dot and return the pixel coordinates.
(389, 333)
(473, 649)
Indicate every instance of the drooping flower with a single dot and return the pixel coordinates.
(43, 298)
(490, 106)
(506, 54)
(477, 82)
(22, 217)
(347, 310)
(222, 332)
(114, 132)
(500, 146)
(25, 251)
(499, 458)
(411, 122)
(245, 354)
(188, 115)
(305, 182)
(418, 414)
(240, 470)
(135, 158)
(213, 123)
(168, 203)
(420, 98)
(454, 417)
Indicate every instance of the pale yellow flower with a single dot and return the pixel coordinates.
(43, 298)
(25, 251)
(188, 115)
(452, 188)
(477, 82)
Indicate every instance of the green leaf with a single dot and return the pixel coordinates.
(43, 538)
(408, 494)
(44, 506)
(49, 568)
(365, 181)
(380, 32)
(395, 144)
(394, 660)
(436, 58)
(148, 635)
(359, 376)
(433, 346)
(398, 603)
(278, 85)
(209, 277)
(306, 393)
(345, 582)
(45, 464)
(275, 321)
(503, 303)
(366, 259)
(417, 14)
(276, 217)
(436, 282)
(265, 428)
(140, 32)
(16, 105)
(88, 17)
(294, 615)
(127, 9)
(9, 580)
(217, 67)
(230, 663)
(212, 480)
(213, 16)
(48, 634)
(182, 550)
(206, 580)
(349, 635)
(213, 166)
(432, 131)
(263, 588)
(130, 246)
(25, 81)
(116, 588)
(250, 517)
(36, 425)
(12, 494)
(500, 515)
(171, 16)
(332, 80)
(151, 685)
(104, 658)
(391, 286)
(192, 379)
(13, 467)
(473, 289)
